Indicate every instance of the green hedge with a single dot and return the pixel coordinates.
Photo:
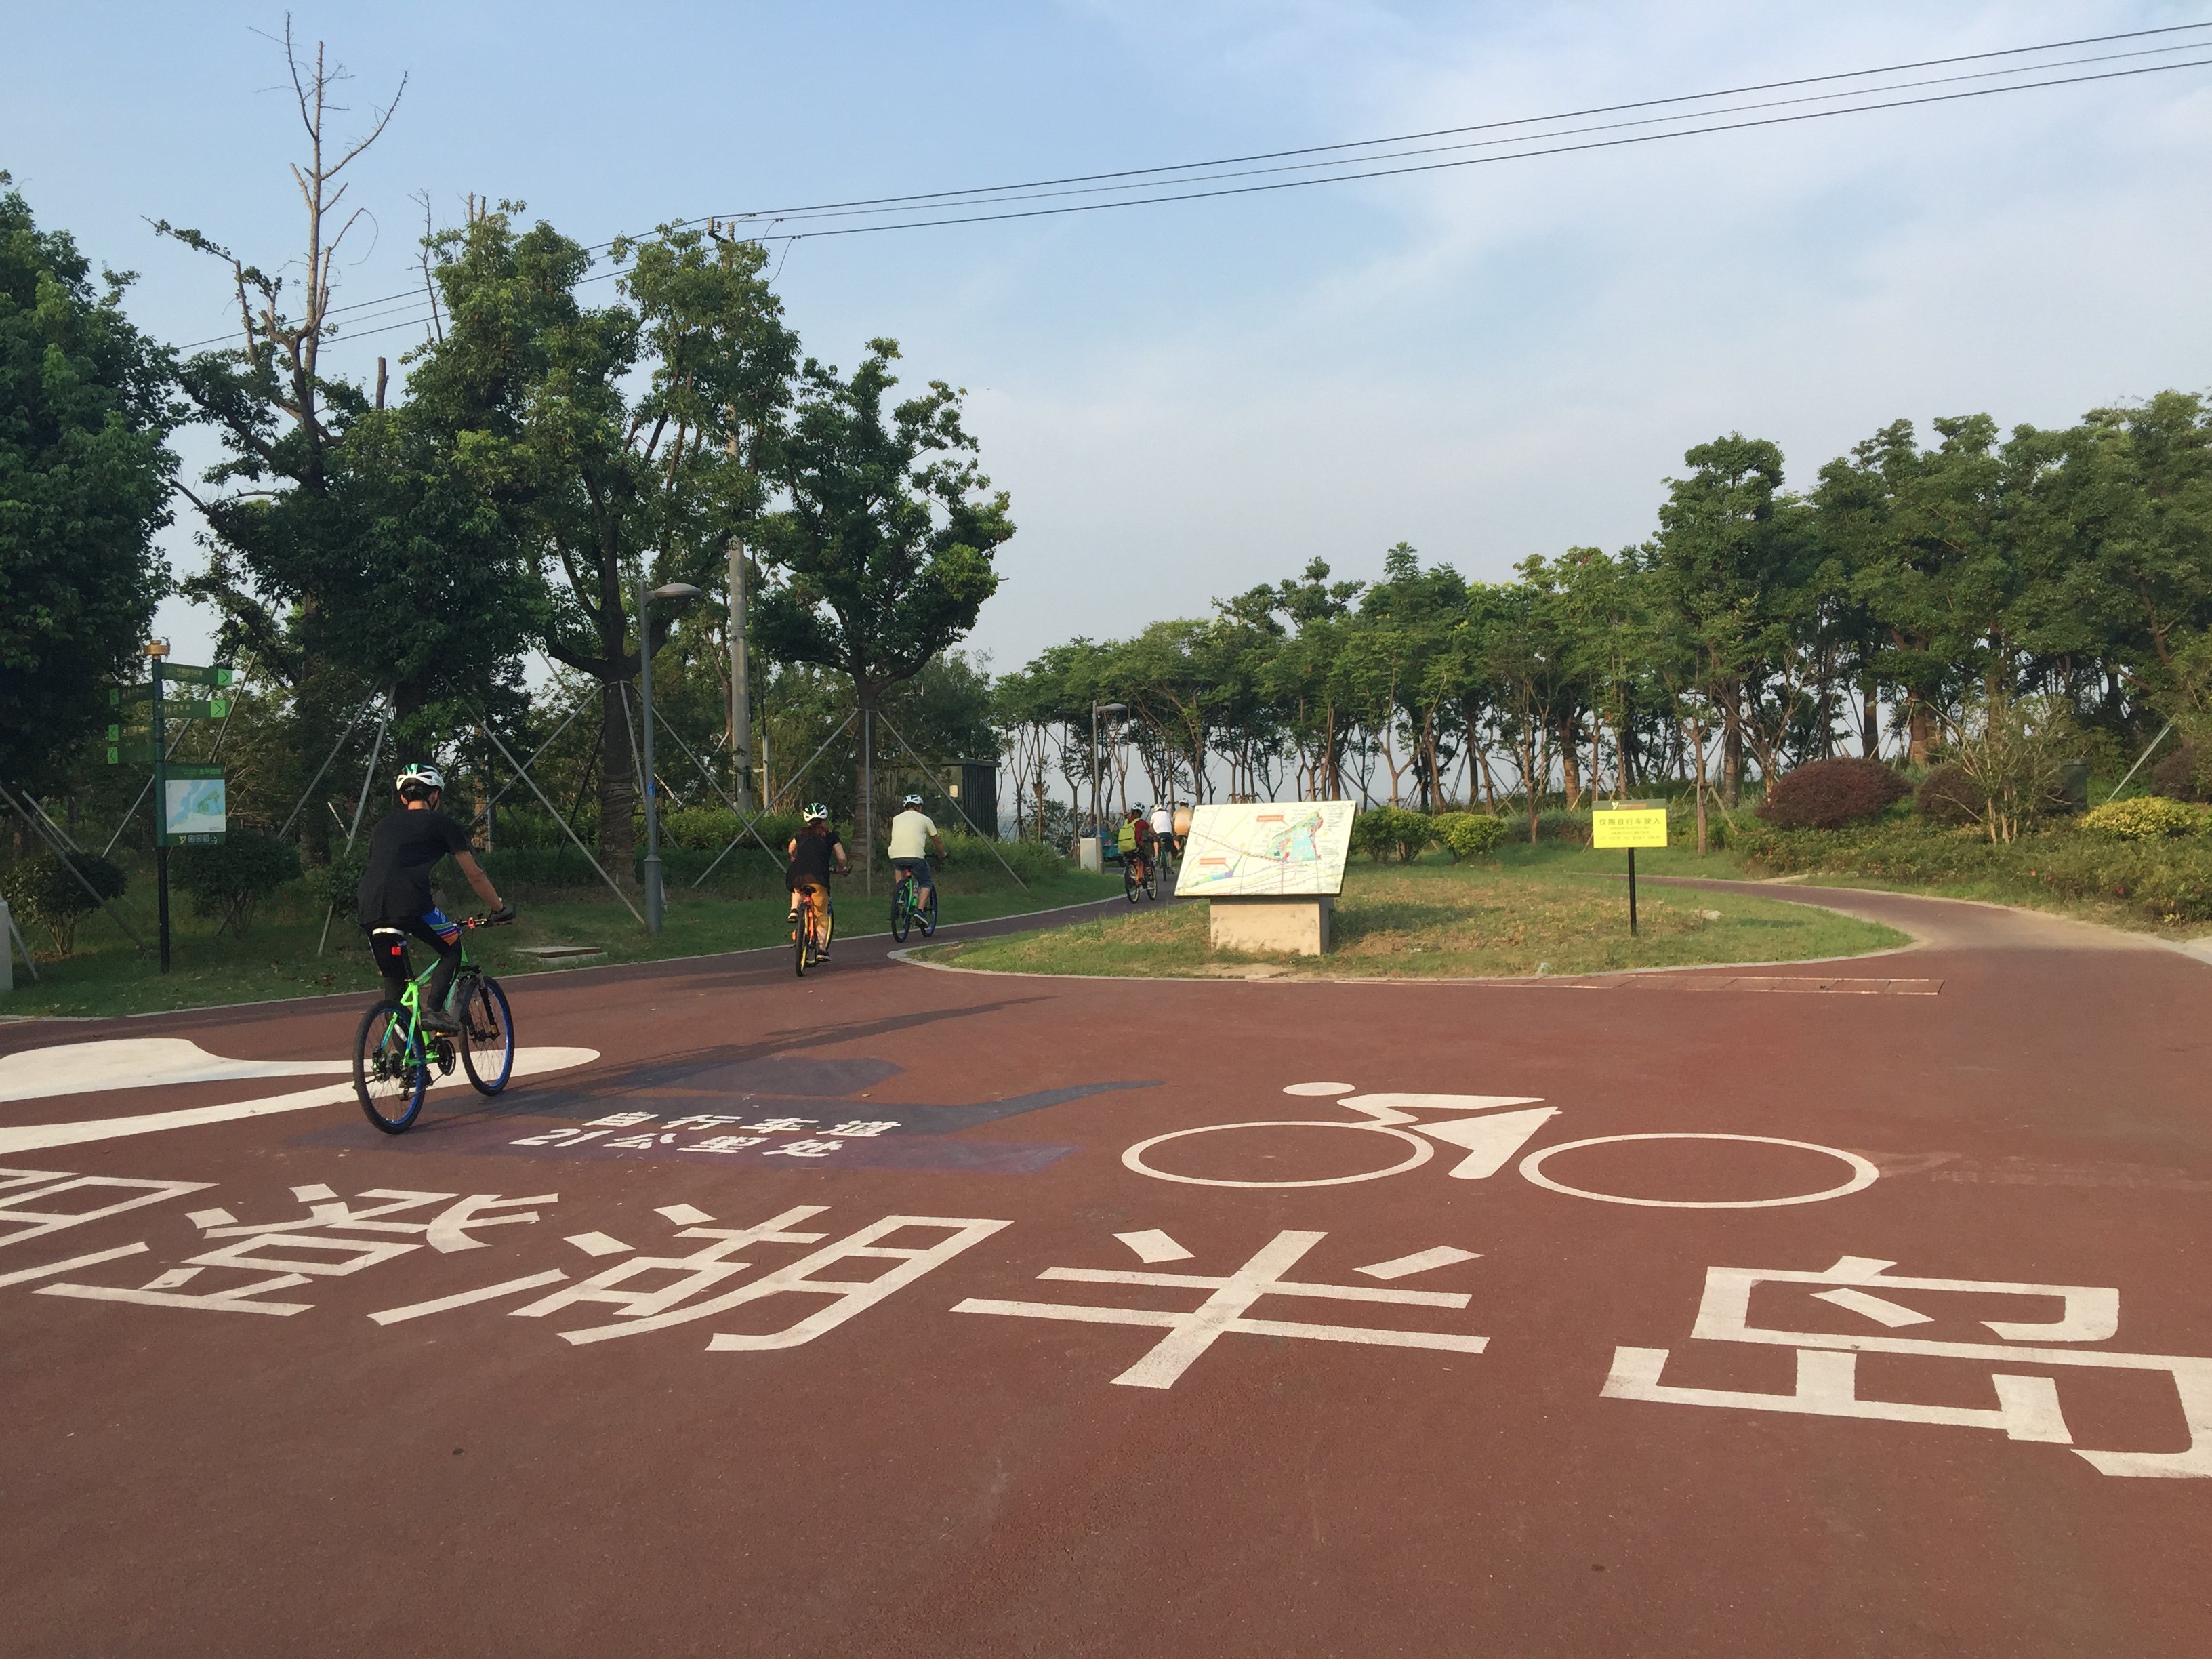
(2163, 879)
(1392, 832)
(1469, 835)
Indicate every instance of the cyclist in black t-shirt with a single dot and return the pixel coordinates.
(814, 852)
(395, 889)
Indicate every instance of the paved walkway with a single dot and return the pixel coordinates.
(900, 1312)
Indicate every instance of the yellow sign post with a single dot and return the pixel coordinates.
(1630, 825)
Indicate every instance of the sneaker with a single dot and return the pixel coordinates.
(793, 918)
(438, 1020)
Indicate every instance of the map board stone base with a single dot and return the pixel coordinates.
(1295, 925)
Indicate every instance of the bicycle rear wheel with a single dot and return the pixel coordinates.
(929, 913)
(902, 911)
(802, 939)
(487, 1034)
(390, 1072)
(1129, 881)
(1151, 881)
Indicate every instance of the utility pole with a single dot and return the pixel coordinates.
(156, 651)
(741, 703)
(645, 598)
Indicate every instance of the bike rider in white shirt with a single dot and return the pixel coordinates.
(913, 837)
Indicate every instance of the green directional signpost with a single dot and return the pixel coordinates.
(188, 800)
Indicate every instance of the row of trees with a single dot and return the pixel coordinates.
(1916, 592)
(426, 541)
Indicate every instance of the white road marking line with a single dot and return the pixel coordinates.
(598, 1244)
(25, 1275)
(1881, 1309)
(463, 1298)
(33, 1136)
(682, 1214)
(77, 1068)
(1154, 1245)
(1443, 1256)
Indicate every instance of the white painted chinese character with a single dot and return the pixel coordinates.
(804, 1149)
(781, 1125)
(2026, 1406)
(38, 1202)
(722, 1144)
(311, 1247)
(672, 1303)
(1223, 1309)
(619, 1121)
(641, 1143)
(865, 1129)
(700, 1120)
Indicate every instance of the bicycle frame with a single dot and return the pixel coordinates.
(411, 995)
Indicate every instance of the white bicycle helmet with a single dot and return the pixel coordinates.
(421, 774)
(911, 800)
(817, 810)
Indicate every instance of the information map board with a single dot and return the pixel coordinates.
(194, 806)
(1266, 849)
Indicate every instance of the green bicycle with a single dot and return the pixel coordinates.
(394, 1052)
(905, 911)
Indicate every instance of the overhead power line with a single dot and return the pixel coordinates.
(1517, 139)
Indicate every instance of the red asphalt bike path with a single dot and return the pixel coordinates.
(931, 1364)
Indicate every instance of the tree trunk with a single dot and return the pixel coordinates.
(1921, 728)
(1528, 779)
(1870, 719)
(1731, 753)
(617, 787)
(1698, 738)
(1571, 769)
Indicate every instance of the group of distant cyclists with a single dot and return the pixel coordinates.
(394, 903)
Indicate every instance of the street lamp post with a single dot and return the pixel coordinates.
(645, 598)
(1096, 823)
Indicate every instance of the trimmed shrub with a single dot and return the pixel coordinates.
(1394, 831)
(43, 890)
(2143, 817)
(1569, 828)
(1469, 835)
(1828, 794)
(2179, 775)
(1948, 797)
(232, 876)
(337, 886)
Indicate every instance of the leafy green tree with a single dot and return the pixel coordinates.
(1728, 564)
(609, 434)
(883, 557)
(84, 483)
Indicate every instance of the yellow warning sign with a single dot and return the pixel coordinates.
(1629, 826)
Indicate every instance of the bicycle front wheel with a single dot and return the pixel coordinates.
(389, 1070)
(487, 1036)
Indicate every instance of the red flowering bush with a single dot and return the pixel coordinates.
(1828, 794)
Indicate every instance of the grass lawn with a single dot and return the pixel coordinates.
(277, 958)
(1549, 910)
